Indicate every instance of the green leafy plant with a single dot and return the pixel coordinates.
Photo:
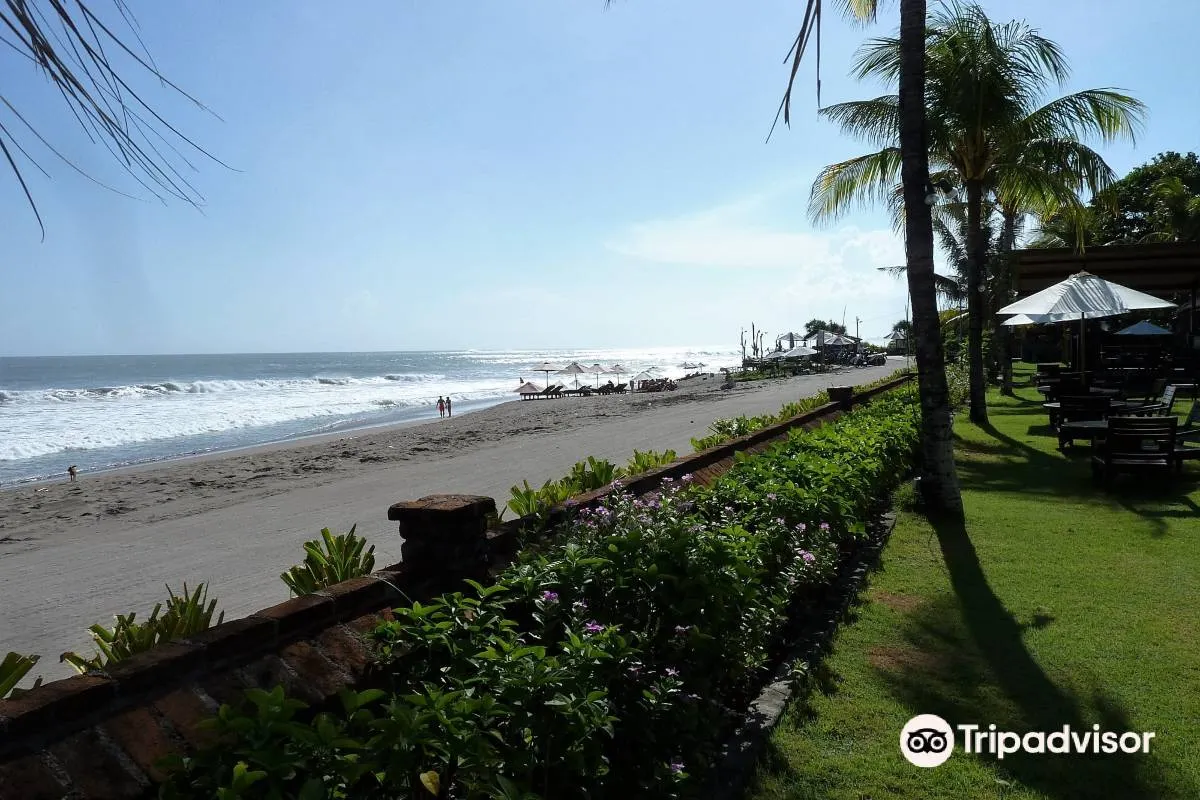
(644, 462)
(590, 475)
(13, 669)
(186, 614)
(329, 560)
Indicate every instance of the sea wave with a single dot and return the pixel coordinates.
(142, 391)
(37, 424)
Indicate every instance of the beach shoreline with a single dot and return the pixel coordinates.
(77, 553)
(249, 449)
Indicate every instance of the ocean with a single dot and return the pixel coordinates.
(103, 412)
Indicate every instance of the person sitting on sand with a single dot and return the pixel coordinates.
(73, 471)
(441, 406)
(449, 408)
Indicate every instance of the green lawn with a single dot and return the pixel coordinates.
(1062, 604)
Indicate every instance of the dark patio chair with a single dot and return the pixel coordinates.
(1079, 408)
(1161, 407)
(1135, 444)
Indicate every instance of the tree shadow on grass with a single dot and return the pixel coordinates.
(970, 665)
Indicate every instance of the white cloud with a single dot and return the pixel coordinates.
(810, 273)
(728, 236)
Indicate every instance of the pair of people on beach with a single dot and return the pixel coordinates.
(444, 407)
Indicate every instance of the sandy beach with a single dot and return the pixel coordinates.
(76, 554)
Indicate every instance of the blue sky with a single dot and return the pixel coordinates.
(416, 175)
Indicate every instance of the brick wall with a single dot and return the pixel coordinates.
(99, 736)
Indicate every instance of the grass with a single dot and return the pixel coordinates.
(1059, 603)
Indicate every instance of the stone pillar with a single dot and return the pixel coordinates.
(843, 395)
(445, 536)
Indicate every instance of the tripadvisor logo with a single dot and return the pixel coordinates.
(927, 740)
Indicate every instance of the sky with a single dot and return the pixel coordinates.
(408, 175)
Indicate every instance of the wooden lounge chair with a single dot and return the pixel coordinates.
(1134, 444)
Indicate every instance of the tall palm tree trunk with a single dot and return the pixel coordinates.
(1003, 333)
(939, 483)
(976, 262)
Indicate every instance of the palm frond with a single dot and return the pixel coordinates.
(1104, 113)
(73, 47)
(862, 180)
(861, 10)
(876, 121)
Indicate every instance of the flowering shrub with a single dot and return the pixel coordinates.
(609, 663)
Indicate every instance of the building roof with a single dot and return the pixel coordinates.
(1162, 270)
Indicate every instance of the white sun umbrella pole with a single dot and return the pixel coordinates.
(1084, 296)
(597, 370)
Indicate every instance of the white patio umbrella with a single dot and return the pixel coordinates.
(547, 368)
(574, 368)
(618, 370)
(1084, 296)
(597, 370)
(1144, 328)
(1023, 319)
(799, 351)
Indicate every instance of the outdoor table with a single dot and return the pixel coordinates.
(1114, 408)
(1093, 390)
(1086, 428)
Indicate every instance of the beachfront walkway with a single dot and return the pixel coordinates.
(1067, 605)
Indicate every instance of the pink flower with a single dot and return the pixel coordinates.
(807, 556)
(550, 597)
(593, 627)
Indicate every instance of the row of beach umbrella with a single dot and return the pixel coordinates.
(576, 369)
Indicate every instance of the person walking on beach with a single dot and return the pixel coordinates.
(449, 408)
(441, 406)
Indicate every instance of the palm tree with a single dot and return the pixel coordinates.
(939, 484)
(1181, 210)
(986, 130)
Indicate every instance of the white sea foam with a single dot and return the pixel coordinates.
(40, 423)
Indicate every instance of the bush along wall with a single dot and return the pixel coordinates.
(610, 663)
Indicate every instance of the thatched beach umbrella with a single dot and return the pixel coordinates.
(597, 370)
(547, 368)
(528, 388)
(574, 368)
